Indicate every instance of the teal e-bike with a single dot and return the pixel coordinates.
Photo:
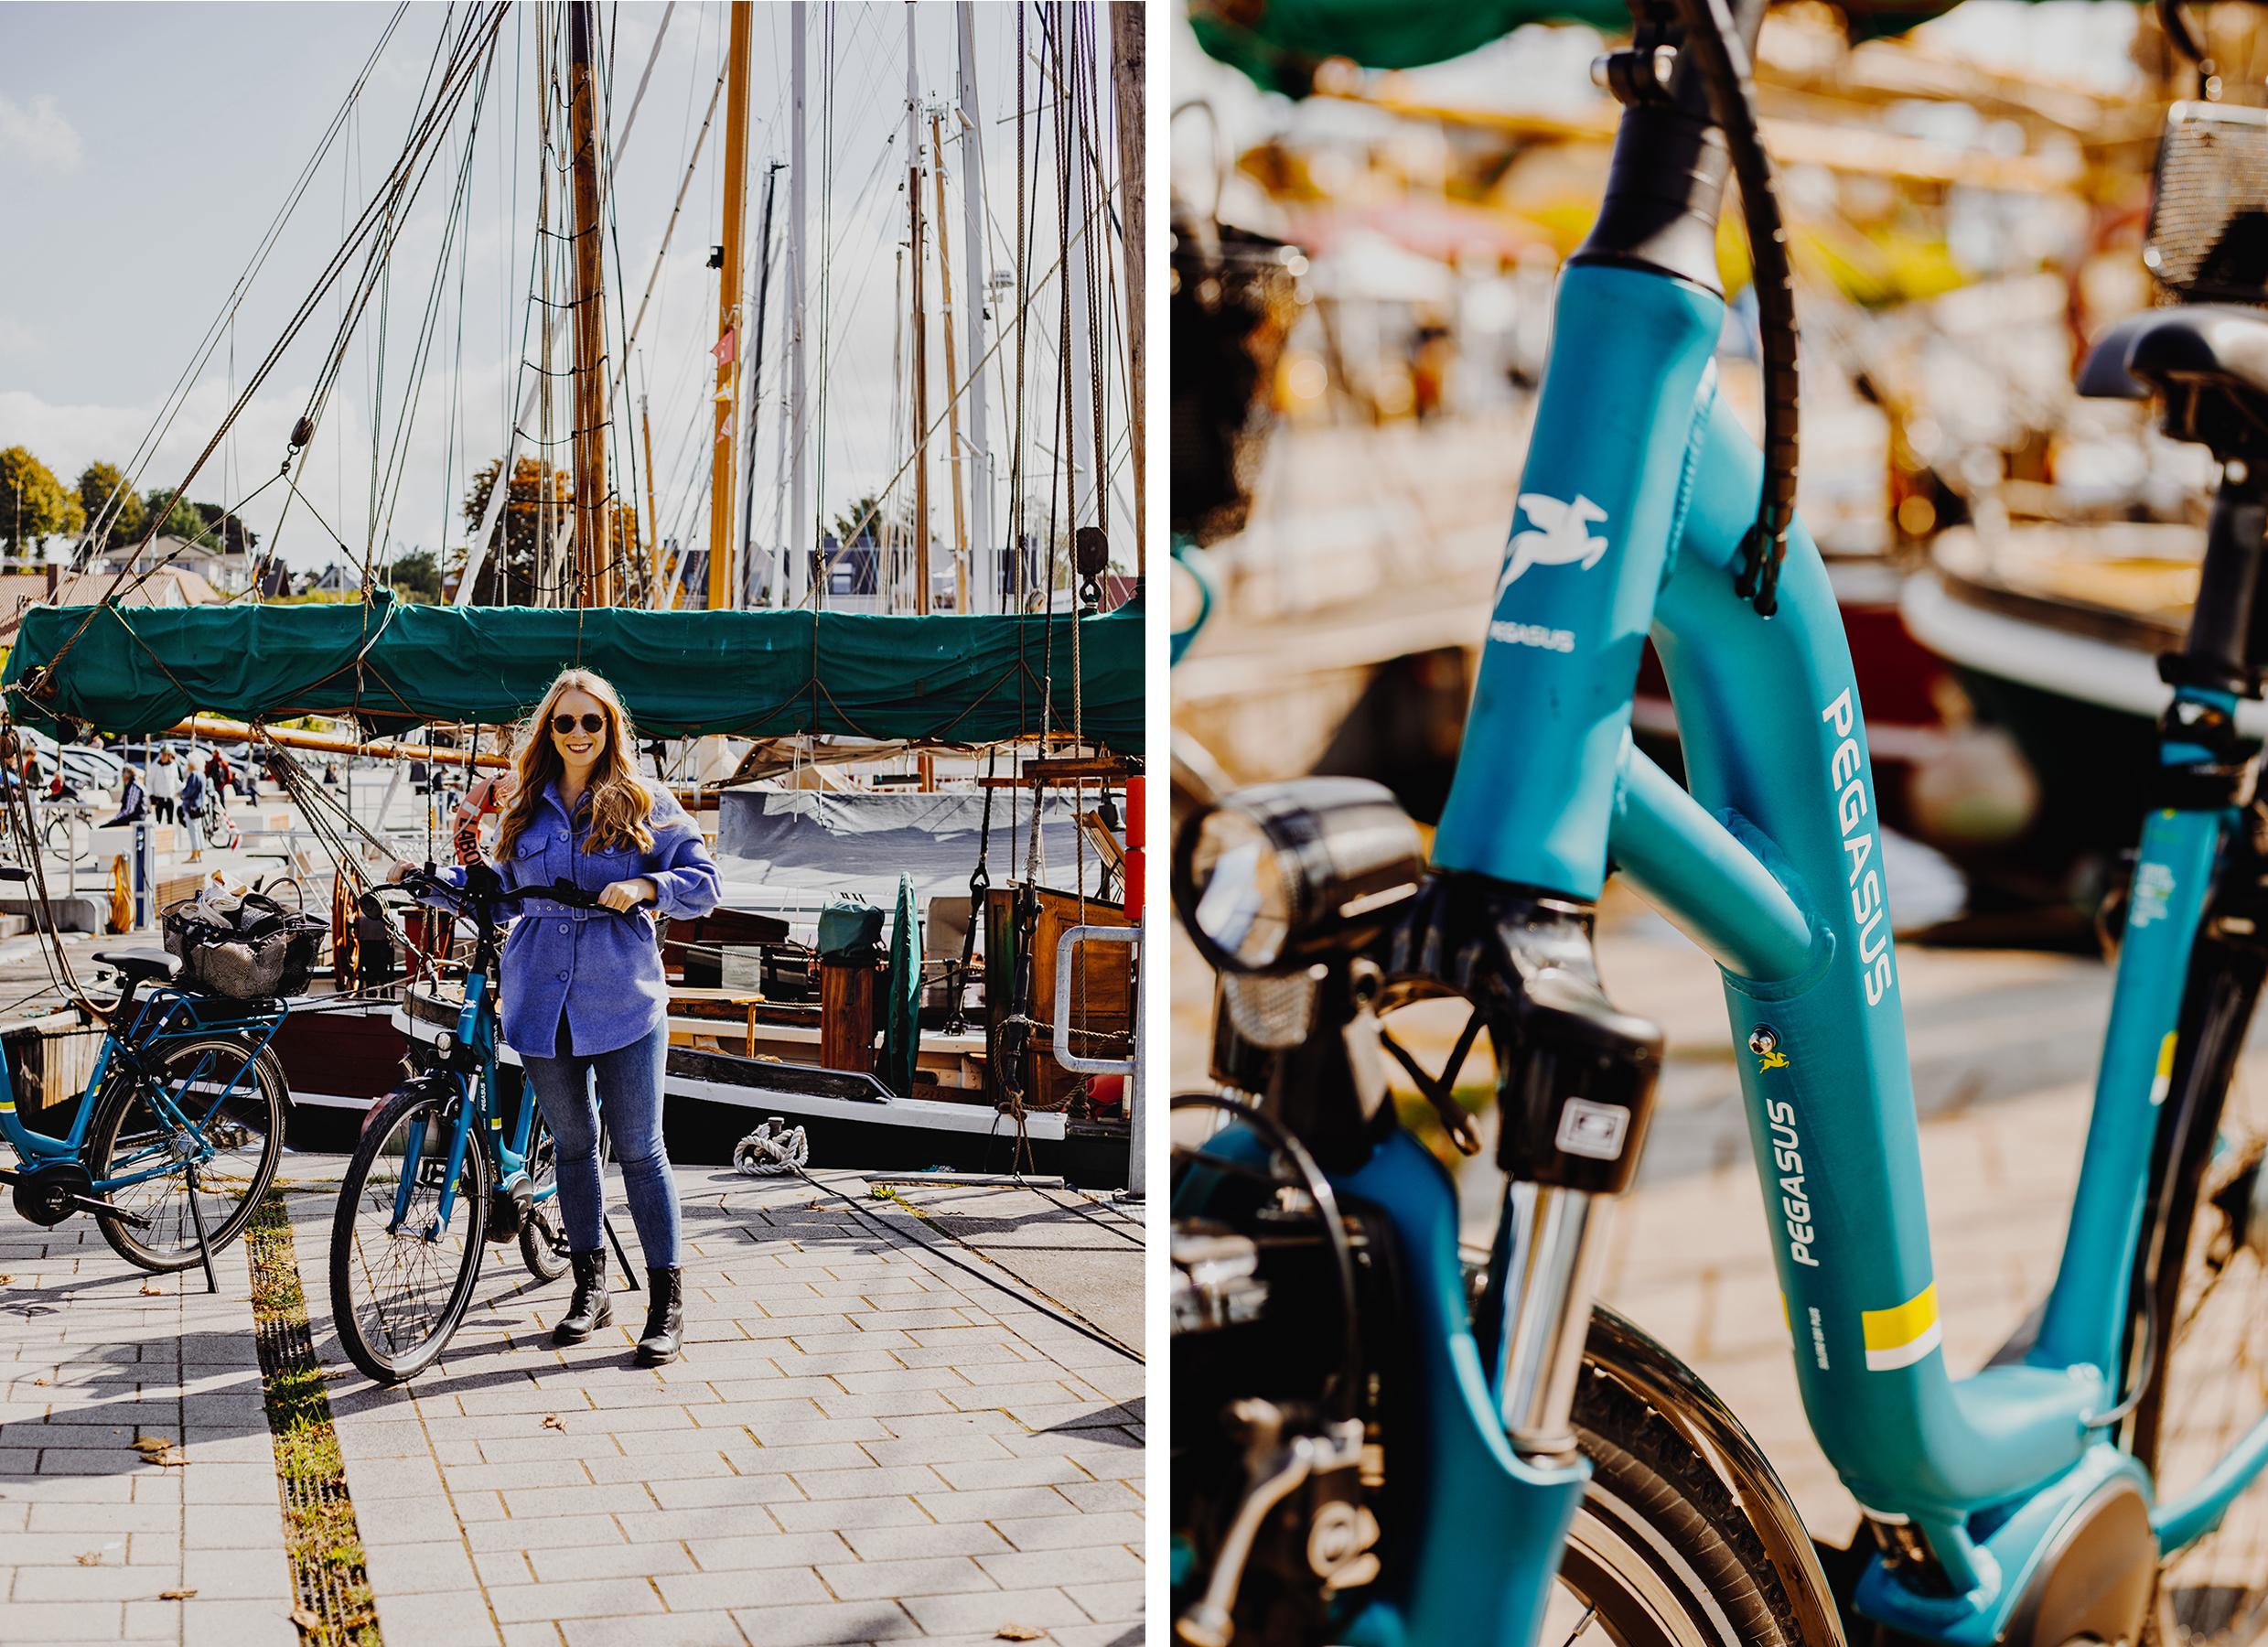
(1373, 1443)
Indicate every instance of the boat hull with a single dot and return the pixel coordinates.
(341, 1060)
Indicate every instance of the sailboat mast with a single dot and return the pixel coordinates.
(752, 402)
(920, 330)
(653, 543)
(798, 555)
(593, 541)
(1071, 40)
(952, 373)
(1128, 66)
(987, 580)
(724, 447)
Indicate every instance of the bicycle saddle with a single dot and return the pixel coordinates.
(140, 966)
(2147, 353)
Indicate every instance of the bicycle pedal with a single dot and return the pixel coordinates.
(88, 1203)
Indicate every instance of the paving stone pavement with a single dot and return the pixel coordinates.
(861, 1442)
(97, 1355)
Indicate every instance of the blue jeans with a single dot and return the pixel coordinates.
(628, 1081)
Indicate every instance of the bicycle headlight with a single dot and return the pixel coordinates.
(1280, 874)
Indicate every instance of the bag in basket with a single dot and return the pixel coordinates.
(257, 951)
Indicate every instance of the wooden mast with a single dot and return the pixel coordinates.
(653, 543)
(594, 545)
(920, 332)
(952, 375)
(1127, 69)
(728, 309)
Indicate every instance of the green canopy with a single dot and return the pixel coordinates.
(950, 680)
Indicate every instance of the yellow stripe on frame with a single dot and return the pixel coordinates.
(1900, 1337)
(2163, 1083)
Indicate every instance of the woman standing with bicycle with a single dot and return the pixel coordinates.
(583, 999)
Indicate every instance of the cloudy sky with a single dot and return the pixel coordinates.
(147, 149)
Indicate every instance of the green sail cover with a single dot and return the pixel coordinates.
(754, 674)
(901, 1028)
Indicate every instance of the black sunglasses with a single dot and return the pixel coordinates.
(565, 724)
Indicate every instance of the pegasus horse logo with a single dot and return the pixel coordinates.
(1563, 536)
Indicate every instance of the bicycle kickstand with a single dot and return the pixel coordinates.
(204, 1242)
(605, 1153)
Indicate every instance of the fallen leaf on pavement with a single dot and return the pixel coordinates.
(91, 1559)
(175, 1595)
(43, 1380)
(151, 1291)
(1018, 1633)
(153, 1443)
(305, 1618)
(553, 1421)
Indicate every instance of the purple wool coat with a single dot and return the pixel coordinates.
(603, 970)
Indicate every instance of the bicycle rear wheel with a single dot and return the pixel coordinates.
(223, 1108)
(2213, 1386)
(542, 1235)
(401, 1278)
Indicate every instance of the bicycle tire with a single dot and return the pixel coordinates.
(542, 1238)
(237, 1163)
(1661, 1554)
(2205, 1387)
(397, 1296)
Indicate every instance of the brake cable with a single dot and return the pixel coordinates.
(1719, 40)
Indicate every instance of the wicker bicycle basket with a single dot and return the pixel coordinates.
(2208, 212)
(266, 952)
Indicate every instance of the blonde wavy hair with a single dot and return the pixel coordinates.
(620, 801)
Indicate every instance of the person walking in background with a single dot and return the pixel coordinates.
(132, 805)
(584, 1001)
(192, 804)
(164, 784)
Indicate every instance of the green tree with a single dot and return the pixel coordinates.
(178, 517)
(417, 576)
(865, 520)
(34, 506)
(103, 486)
(223, 528)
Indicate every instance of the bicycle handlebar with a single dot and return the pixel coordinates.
(493, 895)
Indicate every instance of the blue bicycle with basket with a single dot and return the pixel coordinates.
(178, 1130)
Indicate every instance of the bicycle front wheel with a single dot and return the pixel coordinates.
(1661, 1554)
(402, 1276)
(221, 1107)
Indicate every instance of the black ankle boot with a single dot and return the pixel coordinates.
(591, 1306)
(665, 1317)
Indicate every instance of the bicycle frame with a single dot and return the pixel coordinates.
(1772, 864)
(165, 1013)
(476, 1036)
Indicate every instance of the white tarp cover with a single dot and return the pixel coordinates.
(815, 842)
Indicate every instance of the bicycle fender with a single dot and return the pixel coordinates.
(1624, 1351)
